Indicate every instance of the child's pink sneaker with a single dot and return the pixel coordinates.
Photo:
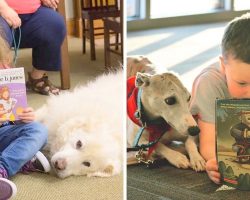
(7, 189)
(38, 163)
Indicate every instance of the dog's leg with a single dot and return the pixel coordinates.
(174, 157)
(196, 160)
(111, 169)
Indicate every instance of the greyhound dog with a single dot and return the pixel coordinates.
(164, 98)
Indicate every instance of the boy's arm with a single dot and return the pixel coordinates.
(9, 15)
(207, 149)
(207, 140)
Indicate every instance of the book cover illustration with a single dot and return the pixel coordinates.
(13, 97)
(233, 142)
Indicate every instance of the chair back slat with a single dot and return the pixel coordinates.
(101, 3)
(106, 3)
(96, 4)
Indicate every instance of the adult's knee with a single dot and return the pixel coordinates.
(55, 29)
(5, 31)
(58, 26)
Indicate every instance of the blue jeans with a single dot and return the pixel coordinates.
(19, 143)
(44, 32)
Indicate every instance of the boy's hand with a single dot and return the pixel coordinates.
(11, 17)
(27, 115)
(212, 170)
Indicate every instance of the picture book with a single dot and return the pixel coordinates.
(233, 142)
(13, 98)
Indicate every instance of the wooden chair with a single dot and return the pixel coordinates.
(113, 25)
(91, 11)
(65, 78)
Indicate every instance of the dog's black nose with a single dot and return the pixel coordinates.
(193, 130)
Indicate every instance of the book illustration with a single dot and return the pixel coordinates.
(12, 93)
(241, 133)
(233, 142)
(7, 103)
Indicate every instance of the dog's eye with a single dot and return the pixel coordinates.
(189, 98)
(170, 100)
(86, 163)
(78, 144)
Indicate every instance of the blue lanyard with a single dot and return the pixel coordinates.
(16, 45)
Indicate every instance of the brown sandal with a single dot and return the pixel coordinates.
(46, 88)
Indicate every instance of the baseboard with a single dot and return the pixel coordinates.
(71, 24)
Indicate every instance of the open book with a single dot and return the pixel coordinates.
(13, 98)
(233, 142)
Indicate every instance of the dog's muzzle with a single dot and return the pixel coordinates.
(193, 130)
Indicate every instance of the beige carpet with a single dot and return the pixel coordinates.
(37, 186)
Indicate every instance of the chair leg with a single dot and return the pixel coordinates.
(121, 34)
(83, 36)
(116, 41)
(65, 71)
(106, 47)
(92, 39)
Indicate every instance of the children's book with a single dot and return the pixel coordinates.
(13, 98)
(233, 142)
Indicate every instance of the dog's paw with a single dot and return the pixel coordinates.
(109, 170)
(99, 174)
(179, 160)
(197, 162)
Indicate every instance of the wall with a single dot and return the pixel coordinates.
(70, 16)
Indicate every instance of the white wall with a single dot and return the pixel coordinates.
(69, 9)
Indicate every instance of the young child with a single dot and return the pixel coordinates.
(229, 79)
(19, 143)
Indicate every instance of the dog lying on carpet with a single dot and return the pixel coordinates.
(85, 128)
(163, 99)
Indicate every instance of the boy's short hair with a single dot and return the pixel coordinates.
(236, 39)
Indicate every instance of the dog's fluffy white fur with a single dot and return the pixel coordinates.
(85, 128)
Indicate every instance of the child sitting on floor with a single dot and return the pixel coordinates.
(19, 143)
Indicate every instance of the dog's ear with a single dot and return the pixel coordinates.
(142, 79)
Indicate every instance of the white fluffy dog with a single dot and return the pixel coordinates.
(85, 128)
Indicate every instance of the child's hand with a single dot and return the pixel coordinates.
(11, 17)
(212, 170)
(27, 115)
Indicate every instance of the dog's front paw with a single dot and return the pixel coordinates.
(179, 160)
(197, 162)
(99, 174)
